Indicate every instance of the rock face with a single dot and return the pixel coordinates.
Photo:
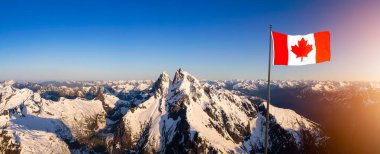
(170, 116)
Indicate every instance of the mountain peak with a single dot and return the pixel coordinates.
(183, 81)
(9, 82)
(179, 75)
(182, 74)
(161, 84)
(164, 77)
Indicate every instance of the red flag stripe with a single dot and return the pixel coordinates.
(280, 48)
(322, 44)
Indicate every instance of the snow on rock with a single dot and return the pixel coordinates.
(294, 123)
(288, 132)
(110, 100)
(83, 117)
(18, 97)
(142, 125)
(6, 91)
(29, 140)
(43, 126)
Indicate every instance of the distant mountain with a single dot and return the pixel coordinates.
(182, 115)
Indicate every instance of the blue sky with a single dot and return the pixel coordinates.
(112, 40)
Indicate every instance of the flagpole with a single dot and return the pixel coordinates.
(268, 90)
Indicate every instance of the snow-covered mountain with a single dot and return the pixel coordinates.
(348, 111)
(182, 115)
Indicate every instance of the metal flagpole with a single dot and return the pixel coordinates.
(268, 90)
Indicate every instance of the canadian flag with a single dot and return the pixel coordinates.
(301, 49)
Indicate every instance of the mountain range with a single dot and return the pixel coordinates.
(178, 115)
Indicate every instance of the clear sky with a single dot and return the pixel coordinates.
(121, 40)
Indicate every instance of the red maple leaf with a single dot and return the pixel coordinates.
(303, 49)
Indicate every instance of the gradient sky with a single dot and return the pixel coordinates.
(121, 40)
